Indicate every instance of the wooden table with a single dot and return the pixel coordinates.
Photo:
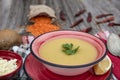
(13, 13)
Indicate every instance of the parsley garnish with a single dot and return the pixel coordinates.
(68, 49)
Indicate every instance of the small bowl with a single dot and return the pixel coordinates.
(10, 55)
(65, 69)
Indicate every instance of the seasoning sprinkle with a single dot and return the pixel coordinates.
(86, 30)
(89, 18)
(76, 23)
(106, 20)
(62, 15)
(80, 12)
(103, 15)
(113, 24)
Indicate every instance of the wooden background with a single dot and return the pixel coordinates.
(13, 13)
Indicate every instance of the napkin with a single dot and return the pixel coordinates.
(115, 60)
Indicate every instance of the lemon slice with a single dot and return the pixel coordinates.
(103, 66)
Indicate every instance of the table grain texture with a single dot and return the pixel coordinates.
(13, 13)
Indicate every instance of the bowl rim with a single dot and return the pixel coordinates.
(68, 66)
(18, 67)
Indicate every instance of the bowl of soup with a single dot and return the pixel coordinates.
(68, 53)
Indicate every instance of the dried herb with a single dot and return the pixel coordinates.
(62, 15)
(76, 23)
(68, 49)
(106, 20)
(113, 24)
(89, 18)
(80, 12)
(103, 15)
(86, 30)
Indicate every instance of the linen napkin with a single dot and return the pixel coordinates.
(115, 60)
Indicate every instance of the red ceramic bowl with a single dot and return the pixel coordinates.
(10, 55)
(65, 69)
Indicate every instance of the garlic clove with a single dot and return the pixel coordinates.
(36, 10)
(113, 44)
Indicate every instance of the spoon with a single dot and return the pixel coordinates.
(113, 44)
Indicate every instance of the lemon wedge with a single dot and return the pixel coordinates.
(103, 66)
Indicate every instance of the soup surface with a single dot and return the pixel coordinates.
(52, 51)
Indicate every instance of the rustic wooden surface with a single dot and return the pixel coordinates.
(13, 13)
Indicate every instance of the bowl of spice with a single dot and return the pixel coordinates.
(10, 64)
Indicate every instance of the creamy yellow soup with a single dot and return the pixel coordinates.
(51, 51)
